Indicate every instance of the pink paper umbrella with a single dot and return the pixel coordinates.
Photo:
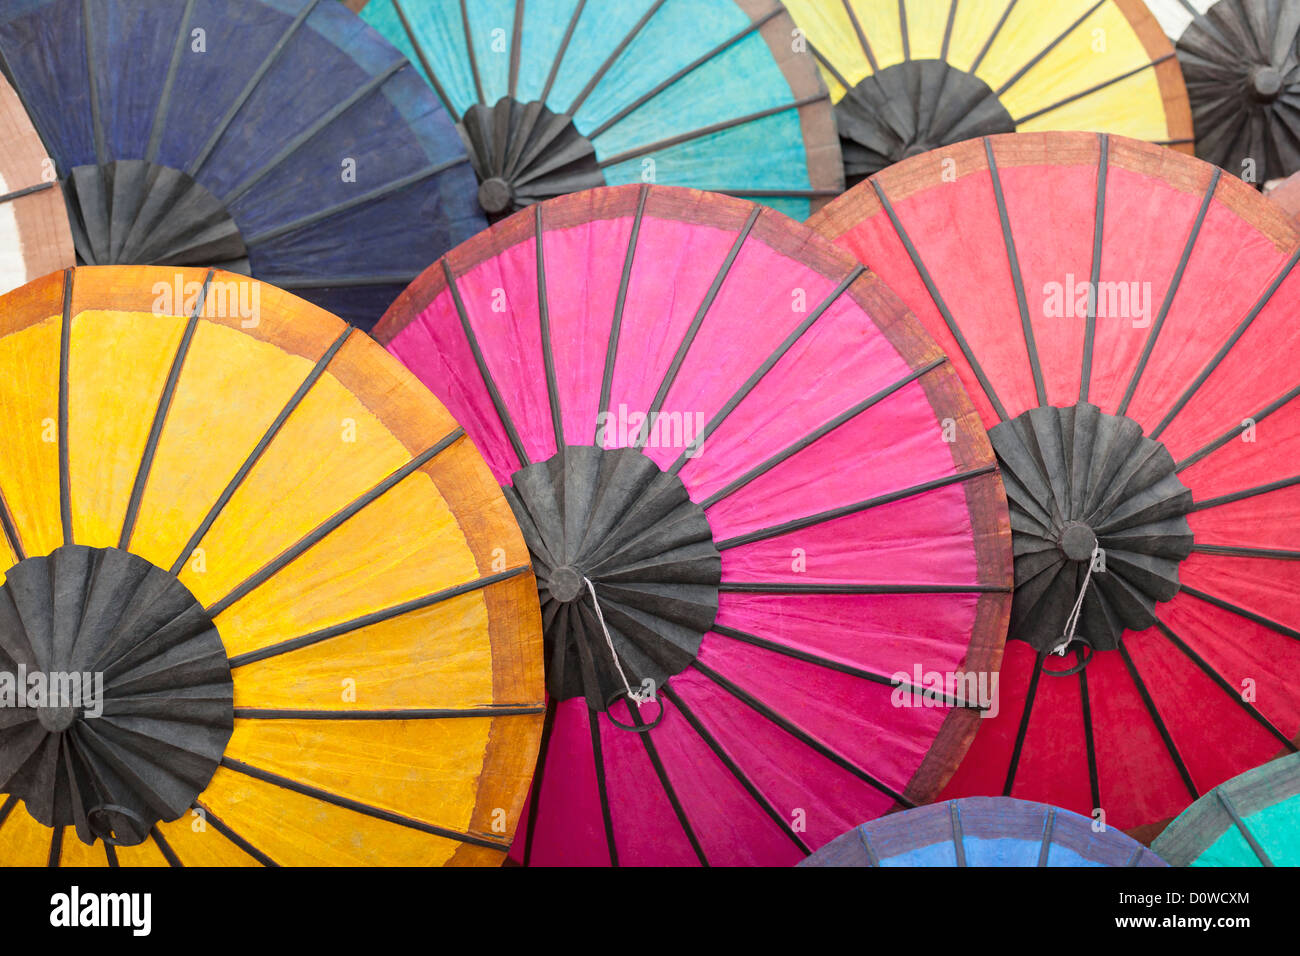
(762, 512)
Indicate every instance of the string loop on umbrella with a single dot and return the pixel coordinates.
(639, 697)
(1072, 622)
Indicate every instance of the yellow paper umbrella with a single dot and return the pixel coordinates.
(263, 601)
(34, 234)
(907, 76)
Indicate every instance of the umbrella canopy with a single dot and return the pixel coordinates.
(1124, 317)
(555, 96)
(289, 616)
(983, 831)
(261, 136)
(34, 235)
(1242, 67)
(917, 74)
(1252, 820)
(754, 494)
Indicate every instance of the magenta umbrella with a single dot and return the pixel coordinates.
(756, 499)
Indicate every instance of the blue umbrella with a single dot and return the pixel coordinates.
(278, 137)
(983, 831)
(554, 96)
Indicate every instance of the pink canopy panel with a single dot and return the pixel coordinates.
(762, 510)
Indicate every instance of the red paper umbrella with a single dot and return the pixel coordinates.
(1125, 317)
(754, 493)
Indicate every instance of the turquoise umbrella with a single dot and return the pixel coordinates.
(1251, 820)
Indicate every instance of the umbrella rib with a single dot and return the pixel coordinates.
(1037, 57)
(598, 759)
(643, 433)
(616, 326)
(1159, 322)
(56, 846)
(6, 808)
(165, 848)
(563, 49)
(718, 127)
(65, 352)
(1098, 232)
(10, 529)
(1018, 280)
(356, 806)
(1232, 433)
(424, 713)
(226, 831)
(872, 858)
(111, 855)
(197, 163)
(329, 525)
(469, 50)
(799, 524)
(1023, 730)
(988, 44)
(1090, 740)
(1158, 721)
(902, 23)
(862, 37)
(794, 730)
(1242, 612)
(669, 791)
(958, 837)
(825, 662)
(544, 320)
(516, 33)
(947, 30)
(1092, 89)
(375, 617)
(20, 193)
(1240, 824)
(1247, 493)
(778, 193)
(424, 62)
(160, 416)
(939, 303)
(395, 186)
(829, 67)
(820, 432)
(548, 725)
(258, 451)
(1219, 356)
(1277, 554)
(160, 111)
(612, 58)
(1049, 824)
(1223, 684)
(734, 768)
(761, 372)
(92, 85)
(503, 415)
(684, 71)
(337, 281)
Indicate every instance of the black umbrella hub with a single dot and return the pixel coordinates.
(1096, 508)
(609, 521)
(116, 700)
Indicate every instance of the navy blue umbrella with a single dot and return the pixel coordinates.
(284, 138)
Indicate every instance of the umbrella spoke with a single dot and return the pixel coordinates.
(1023, 729)
(1098, 233)
(1235, 496)
(65, 349)
(165, 848)
(1097, 88)
(422, 56)
(1150, 705)
(1242, 612)
(535, 794)
(226, 831)
(10, 529)
(1275, 554)
(20, 193)
(1094, 782)
(598, 758)
(1236, 430)
(612, 58)
(544, 319)
(616, 326)
(670, 791)
(1240, 824)
(416, 713)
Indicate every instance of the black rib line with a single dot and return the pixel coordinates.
(734, 768)
(707, 131)
(516, 31)
(92, 85)
(1219, 356)
(958, 838)
(1094, 782)
(862, 37)
(947, 30)
(469, 49)
(1240, 824)
(1232, 433)
(225, 830)
(168, 853)
(256, 454)
(1276, 554)
(829, 67)
(1223, 685)
(1019, 74)
(1172, 142)
(1156, 326)
(612, 58)
(828, 664)
(397, 185)
(1242, 612)
(653, 753)
(230, 763)
(872, 858)
(502, 413)
(1049, 824)
(301, 139)
(1023, 730)
(1098, 231)
(688, 339)
(10, 529)
(851, 509)
(56, 847)
(781, 587)
(65, 352)
(997, 28)
(598, 759)
(544, 320)
(1013, 261)
(19, 193)
(160, 417)
(820, 432)
(563, 48)
(1160, 724)
(778, 193)
(752, 382)
(338, 281)
(329, 525)
(160, 111)
(424, 63)
(197, 162)
(445, 713)
(111, 855)
(798, 733)
(611, 350)
(1247, 493)
(375, 617)
(684, 71)
(7, 807)
(938, 299)
(1092, 89)
(535, 793)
